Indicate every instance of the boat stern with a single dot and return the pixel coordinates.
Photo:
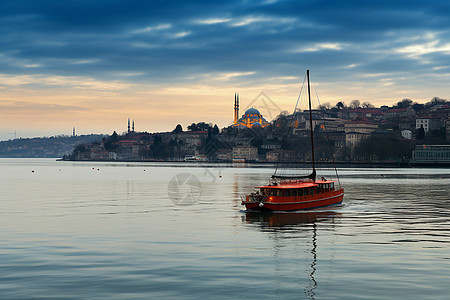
(253, 201)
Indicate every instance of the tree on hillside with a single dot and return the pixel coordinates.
(436, 101)
(420, 133)
(381, 147)
(405, 103)
(110, 141)
(204, 126)
(340, 105)
(355, 104)
(178, 129)
(367, 105)
(417, 107)
(215, 130)
(193, 127)
(325, 106)
(201, 126)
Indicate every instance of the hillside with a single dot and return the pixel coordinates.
(46, 147)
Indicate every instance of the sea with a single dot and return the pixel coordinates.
(103, 230)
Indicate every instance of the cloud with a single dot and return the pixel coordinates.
(320, 47)
(75, 82)
(213, 21)
(31, 108)
(152, 28)
(123, 45)
(167, 41)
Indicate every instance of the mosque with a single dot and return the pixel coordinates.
(251, 117)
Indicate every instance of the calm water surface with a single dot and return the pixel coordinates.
(112, 231)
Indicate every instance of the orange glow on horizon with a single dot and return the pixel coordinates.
(56, 104)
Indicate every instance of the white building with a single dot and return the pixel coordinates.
(428, 123)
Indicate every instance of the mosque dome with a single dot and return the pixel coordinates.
(252, 111)
(251, 118)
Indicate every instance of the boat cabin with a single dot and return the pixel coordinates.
(293, 189)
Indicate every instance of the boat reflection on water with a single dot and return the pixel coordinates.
(289, 219)
(276, 222)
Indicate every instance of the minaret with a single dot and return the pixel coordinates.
(236, 108)
(133, 126)
(73, 132)
(235, 121)
(128, 125)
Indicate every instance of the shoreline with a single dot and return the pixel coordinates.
(338, 164)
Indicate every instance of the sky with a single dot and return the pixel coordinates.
(94, 64)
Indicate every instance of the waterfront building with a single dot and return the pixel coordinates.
(280, 155)
(434, 154)
(358, 129)
(188, 141)
(224, 155)
(245, 153)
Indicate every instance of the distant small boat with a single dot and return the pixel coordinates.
(289, 193)
(195, 158)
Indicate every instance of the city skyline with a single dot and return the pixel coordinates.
(93, 64)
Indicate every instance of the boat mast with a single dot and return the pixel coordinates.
(311, 129)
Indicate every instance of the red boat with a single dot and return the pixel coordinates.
(295, 195)
(288, 193)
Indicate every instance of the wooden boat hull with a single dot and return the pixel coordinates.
(276, 203)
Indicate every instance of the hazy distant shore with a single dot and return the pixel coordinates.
(339, 164)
